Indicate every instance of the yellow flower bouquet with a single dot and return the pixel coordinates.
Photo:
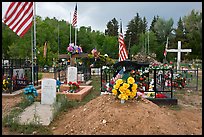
(125, 89)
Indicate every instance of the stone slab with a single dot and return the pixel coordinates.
(38, 113)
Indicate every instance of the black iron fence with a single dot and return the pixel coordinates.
(17, 77)
(159, 84)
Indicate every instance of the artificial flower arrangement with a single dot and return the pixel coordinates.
(125, 89)
(6, 83)
(30, 93)
(73, 87)
(74, 49)
(58, 83)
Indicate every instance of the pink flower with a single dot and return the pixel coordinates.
(70, 48)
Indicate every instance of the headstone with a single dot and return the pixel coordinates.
(72, 74)
(179, 50)
(48, 91)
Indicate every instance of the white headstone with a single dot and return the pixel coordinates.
(48, 91)
(179, 50)
(72, 74)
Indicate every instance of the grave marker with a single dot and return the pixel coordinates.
(48, 95)
(72, 74)
(179, 50)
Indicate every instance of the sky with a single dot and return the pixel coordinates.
(98, 14)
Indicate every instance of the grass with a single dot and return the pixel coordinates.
(40, 75)
(11, 121)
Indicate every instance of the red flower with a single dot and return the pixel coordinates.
(160, 95)
(112, 82)
(141, 79)
(70, 83)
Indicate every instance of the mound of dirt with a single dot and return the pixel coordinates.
(106, 115)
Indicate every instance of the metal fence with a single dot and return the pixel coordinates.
(191, 77)
(159, 80)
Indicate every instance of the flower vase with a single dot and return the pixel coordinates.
(122, 101)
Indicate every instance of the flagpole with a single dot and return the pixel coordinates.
(75, 35)
(32, 53)
(119, 42)
(35, 58)
(58, 40)
(70, 29)
(33, 43)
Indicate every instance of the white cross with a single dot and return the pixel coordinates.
(179, 50)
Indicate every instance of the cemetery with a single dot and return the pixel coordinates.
(92, 87)
(154, 84)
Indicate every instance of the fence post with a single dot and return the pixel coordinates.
(101, 77)
(197, 79)
(171, 82)
(155, 82)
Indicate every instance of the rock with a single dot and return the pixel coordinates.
(34, 132)
(53, 128)
(104, 121)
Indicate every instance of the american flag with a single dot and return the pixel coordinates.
(123, 55)
(19, 16)
(119, 75)
(74, 21)
(165, 53)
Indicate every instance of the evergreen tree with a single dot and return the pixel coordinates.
(112, 28)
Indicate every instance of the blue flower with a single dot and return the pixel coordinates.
(30, 91)
(58, 83)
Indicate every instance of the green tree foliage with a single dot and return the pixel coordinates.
(193, 32)
(164, 29)
(153, 23)
(57, 34)
(112, 28)
(135, 27)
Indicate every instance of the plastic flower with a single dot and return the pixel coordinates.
(133, 94)
(116, 86)
(123, 96)
(128, 92)
(125, 85)
(122, 89)
(131, 80)
(119, 81)
(134, 86)
(70, 48)
(30, 92)
(114, 91)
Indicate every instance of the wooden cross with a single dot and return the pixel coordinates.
(179, 50)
